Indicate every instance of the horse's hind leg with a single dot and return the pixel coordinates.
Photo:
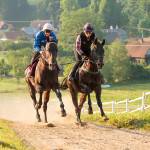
(98, 97)
(58, 93)
(46, 99)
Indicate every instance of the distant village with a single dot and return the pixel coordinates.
(138, 49)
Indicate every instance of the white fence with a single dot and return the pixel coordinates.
(115, 104)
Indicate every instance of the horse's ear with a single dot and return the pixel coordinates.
(47, 39)
(103, 42)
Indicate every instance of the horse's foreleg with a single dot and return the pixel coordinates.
(98, 97)
(87, 89)
(58, 93)
(75, 102)
(39, 89)
(82, 100)
(46, 99)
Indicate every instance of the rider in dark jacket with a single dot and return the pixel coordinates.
(83, 46)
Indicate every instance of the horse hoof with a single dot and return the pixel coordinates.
(39, 120)
(64, 114)
(80, 124)
(37, 106)
(46, 124)
(105, 118)
(90, 112)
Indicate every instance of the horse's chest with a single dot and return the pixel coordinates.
(91, 80)
(48, 80)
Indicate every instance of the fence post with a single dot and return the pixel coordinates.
(143, 99)
(127, 105)
(113, 106)
(83, 110)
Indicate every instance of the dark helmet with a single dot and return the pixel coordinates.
(88, 27)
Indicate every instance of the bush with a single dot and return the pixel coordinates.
(138, 72)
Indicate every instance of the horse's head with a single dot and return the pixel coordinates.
(50, 54)
(98, 53)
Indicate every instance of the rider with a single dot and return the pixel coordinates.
(40, 40)
(83, 46)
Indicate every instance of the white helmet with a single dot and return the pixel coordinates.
(47, 26)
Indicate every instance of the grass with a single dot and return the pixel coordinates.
(138, 120)
(9, 139)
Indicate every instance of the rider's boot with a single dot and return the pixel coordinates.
(31, 68)
(73, 71)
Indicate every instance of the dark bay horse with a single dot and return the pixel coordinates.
(89, 80)
(45, 80)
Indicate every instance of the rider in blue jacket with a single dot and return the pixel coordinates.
(39, 41)
(40, 37)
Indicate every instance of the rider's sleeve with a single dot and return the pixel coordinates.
(36, 43)
(78, 45)
(54, 36)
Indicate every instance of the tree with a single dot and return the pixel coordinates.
(48, 9)
(109, 12)
(138, 13)
(4, 68)
(19, 60)
(117, 62)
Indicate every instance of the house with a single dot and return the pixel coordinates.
(40, 23)
(139, 50)
(112, 34)
(4, 26)
(30, 32)
(13, 35)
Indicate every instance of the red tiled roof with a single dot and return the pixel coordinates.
(35, 23)
(1, 24)
(13, 35)
(10, 26)
(138, 48)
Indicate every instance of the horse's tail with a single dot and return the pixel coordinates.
(63, 85)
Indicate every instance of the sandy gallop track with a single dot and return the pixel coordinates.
(66, 135)
(89, 137)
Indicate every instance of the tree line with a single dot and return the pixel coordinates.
(70, 16)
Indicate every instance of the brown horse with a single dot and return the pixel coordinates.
(89, 79)
(46, 78)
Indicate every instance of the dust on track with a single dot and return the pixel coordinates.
(66, 135)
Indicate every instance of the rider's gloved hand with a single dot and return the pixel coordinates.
(83, 54)
(41, 52)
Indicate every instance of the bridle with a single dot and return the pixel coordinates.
(94, 60)
(45, 58)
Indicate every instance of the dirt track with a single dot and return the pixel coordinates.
(90, 137)
(66, 135)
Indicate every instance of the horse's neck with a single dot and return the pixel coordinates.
(43, 61)
(90, 64)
